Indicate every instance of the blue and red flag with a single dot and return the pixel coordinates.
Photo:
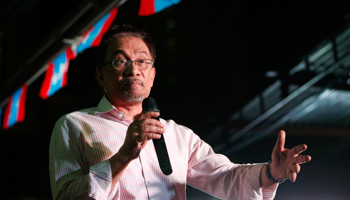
(57, 70)
(55, 76)
(150, 7)
(15, 110)
(93, 36)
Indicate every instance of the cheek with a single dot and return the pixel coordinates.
(113, 80)
(152, 80)
(149, 80)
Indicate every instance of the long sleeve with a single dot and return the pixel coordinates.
(218, 176)
(71, 175)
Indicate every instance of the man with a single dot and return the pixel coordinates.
(104, 152)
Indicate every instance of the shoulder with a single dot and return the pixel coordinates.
(75, 116)
(172, 124)
(178, 130)
(71, 123)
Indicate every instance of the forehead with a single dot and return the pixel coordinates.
(128, 45)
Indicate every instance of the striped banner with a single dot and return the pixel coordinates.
(57, 70)
(92, 37)
(15, 110)
(55, 76)
(150, 7)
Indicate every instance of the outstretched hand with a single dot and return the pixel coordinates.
(286, 162)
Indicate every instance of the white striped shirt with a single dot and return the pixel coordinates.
(82, 143)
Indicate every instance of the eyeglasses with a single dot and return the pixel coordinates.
(119, 64)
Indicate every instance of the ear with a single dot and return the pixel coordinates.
(153, 75)
(99, 77)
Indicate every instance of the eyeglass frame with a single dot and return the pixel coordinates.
(127, 62)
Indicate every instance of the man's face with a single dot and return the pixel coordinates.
(129, 84)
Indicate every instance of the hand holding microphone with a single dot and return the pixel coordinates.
(149, 104)
(144, 128)
(139, 132)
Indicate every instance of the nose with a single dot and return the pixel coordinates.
(132, 70)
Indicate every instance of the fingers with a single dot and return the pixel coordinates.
(146, 128)
(280, 141)
(292, 176)
(287, 161)
(293, 171)
(150, 126)
(298, 149)
(147, 136)
(295, 168)
(140, 131)
(151, 130)
(296, 159)
(301, 159)
(150, 114)
(295, 151)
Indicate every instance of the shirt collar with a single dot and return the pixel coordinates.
(105, 106)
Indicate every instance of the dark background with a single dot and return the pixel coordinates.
(212, 57)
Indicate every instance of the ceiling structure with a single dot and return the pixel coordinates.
(211, 76)
(320, 100)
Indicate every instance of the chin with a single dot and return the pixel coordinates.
(132, 97)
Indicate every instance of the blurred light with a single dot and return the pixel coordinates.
(325, 48)
(300, 67)
(348, 81)
(310, 108)
(271, 74)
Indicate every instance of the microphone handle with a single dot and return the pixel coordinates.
(162, 154)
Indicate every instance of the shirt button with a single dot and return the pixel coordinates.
(121, 115)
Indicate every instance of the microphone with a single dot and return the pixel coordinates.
(149, 104)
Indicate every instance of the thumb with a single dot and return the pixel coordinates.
(280, 141)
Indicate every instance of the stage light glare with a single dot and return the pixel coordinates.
(271, 74)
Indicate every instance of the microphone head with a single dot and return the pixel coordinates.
(149, 104)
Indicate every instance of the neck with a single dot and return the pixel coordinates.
(130, 109)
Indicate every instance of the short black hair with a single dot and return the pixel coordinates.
(117, 31)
